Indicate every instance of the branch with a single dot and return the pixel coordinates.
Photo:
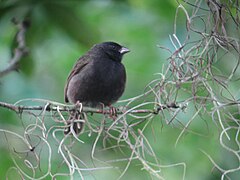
(67, 108)
(21, 49)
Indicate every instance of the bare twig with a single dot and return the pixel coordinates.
(194, 76)
(20, 51)
(66, 108)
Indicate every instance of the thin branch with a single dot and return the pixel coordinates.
(67, 108)
(20, 51)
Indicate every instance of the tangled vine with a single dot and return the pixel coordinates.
(194, 80)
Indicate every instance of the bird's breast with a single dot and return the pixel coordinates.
(99, 82)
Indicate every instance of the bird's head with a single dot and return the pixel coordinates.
(113, 50)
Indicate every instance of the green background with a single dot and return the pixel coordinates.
(61, 31)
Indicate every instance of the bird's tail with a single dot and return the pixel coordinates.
(75, 123)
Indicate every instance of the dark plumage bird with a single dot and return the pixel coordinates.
(98, 77)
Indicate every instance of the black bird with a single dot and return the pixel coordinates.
(98, 77)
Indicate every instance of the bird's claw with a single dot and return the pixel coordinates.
(112, 112)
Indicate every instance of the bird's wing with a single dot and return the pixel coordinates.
(83, 61)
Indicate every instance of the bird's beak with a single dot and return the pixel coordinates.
(124, 50)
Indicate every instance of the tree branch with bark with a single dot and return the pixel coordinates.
(21, 50)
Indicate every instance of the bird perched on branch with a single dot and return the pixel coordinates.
(98, 77)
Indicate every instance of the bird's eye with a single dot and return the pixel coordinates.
(113, 47)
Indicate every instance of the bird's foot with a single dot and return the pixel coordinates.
(112, 112)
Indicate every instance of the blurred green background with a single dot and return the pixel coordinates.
(61, 31)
